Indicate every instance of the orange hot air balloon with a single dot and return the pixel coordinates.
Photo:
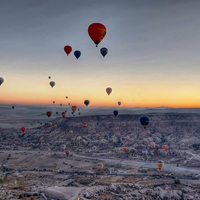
(23, 129)
(73, 108)
(67, 49)
(97, 32)
(85, 124)
(125, 149)
(108, 90)
(49, 113)
(164, 147)
(64, 114)
(153, 144)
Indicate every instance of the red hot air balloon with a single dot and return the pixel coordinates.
(153, 144)
(73, 108)
(67, 152)
(97, 32)
(108, 90)
(64, 114)
(67, 49)
(23, 129)
(85, 125)
(49, 113)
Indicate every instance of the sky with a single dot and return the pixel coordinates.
(153, 52)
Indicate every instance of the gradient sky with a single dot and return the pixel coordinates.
(153, 58)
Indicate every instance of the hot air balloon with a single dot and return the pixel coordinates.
(153, 144)
(74, 108)
(119, 103)
(1, 80)
(97, 32)
(67, 152)
(61, 104)
(108, 90)
(127, 138)
(100, 166)
(57, 113)
(159, 164)
(68, 104)
(63, 146)
(70, 131)
(165, 147)
(55, 126)
(66, 111)
(79, 113)
(114, 141)
(66, 97)
(49, 77)
(104, 51)
(67, 49)
(123, 125)
(23, 129)
(115, 112)
(49, 113)
(64, 114)
(52, 84)
(144, 121)
(125, 149)
(144, 151)
(50, 123)
(13, 107)
(84, 124)
(86, 102)
(53, 102)
(77, 54)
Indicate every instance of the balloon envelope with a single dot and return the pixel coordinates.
(127, 138)
(125, 149)
(159, 164)
(49, 77)
(73, 108)
(13, 107)
(100, 166)
(144, 151)
(52, 83)
(49, 113)
(165, 147)
(108, 90)
(86, 102)
(119, 103)
(97, 32)
(1, 80)
(144, 121)
(115, 112)
(153, 144)
(67, 152)
(64, 114)
(104, 51)
(77, 54)
(67, 49)
(23, 129)
(84, 124)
